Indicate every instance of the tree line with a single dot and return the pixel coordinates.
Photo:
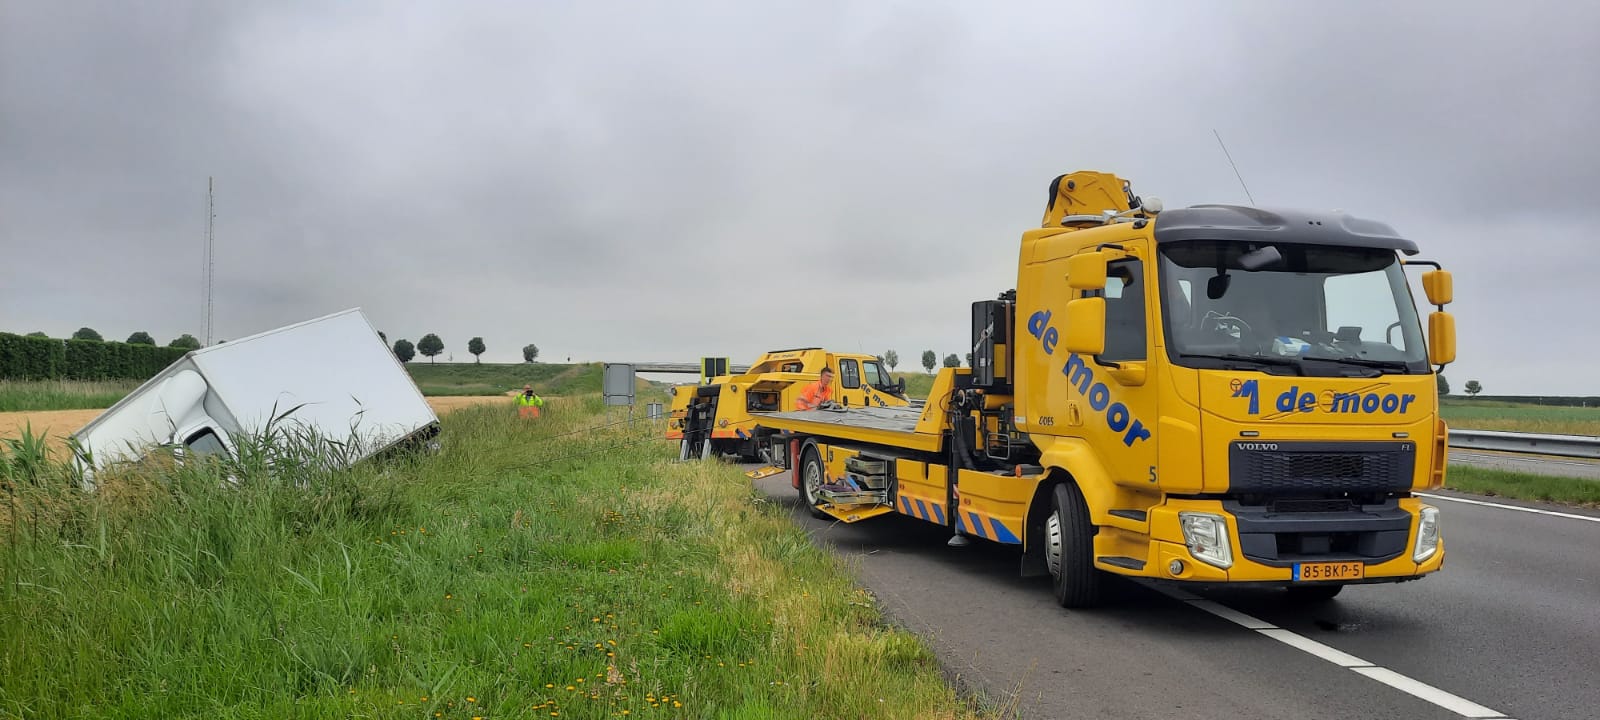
(87, 356)
(431, 346)
(929, 360)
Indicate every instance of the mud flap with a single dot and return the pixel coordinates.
(855, 513)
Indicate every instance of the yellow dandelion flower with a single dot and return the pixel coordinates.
(675, 704)
(471, 699)
(549, 685)
(580, 679)
(571, 687)
(625, 712)
(424, 698)
(448, 596)
(613, 643)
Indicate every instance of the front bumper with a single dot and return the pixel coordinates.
(1265, 548)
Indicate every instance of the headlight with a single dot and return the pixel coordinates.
(1207, 537)
(1427, 534)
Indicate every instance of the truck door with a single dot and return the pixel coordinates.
(1110, 398)
(848, 391)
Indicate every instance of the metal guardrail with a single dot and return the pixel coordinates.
(681, 368)
(1578, 446)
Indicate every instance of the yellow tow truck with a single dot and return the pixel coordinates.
(717, 416)
(1214, 395)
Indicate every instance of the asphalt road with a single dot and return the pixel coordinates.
(1533, 464)
(1509, 628)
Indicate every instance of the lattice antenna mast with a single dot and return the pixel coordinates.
(211, 263)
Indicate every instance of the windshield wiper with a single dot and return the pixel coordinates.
(1364, 362)
(1261, 360)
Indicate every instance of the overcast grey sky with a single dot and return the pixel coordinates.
(664, 181)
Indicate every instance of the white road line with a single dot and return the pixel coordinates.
(1337, 657)
(1231, 615)
(1428, 692)
(1454, 703)
(1431, 496)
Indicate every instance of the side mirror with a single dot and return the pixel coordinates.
(1439, 286)
(1087, 271)
(1441, 336)
(900, 387)
(1086, 324)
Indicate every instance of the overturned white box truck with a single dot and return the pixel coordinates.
(335, 372)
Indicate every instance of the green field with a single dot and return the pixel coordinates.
(1515, 417)
(559, 568)
(443, 379)
(498, 378)
(62, 394)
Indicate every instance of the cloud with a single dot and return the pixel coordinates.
(640, 181)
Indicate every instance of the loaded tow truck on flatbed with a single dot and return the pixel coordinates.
(717, 417)
(1212, 394)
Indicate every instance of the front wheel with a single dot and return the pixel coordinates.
(811, 479)
(1069, 549)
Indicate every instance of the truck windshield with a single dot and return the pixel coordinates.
(1289, 309)
(876, 377)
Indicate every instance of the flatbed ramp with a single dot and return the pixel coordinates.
(892, 425)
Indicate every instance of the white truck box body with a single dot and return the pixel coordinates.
(336, 368)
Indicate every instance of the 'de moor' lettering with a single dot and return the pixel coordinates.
(1116, 415)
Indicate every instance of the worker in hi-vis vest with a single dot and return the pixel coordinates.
(529, 402)
(817, 393)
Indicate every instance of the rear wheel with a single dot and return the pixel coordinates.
(811, 478)
(1069, 549)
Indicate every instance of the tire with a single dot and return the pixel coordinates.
(1313, 593)
(1069, 550)
(811, 475)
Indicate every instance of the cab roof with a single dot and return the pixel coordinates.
(1277, 225)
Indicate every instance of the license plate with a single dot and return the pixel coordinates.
(1329, 571)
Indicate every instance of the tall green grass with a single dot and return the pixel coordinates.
(547, 568)
(18, 395)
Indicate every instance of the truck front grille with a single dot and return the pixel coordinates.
(1284, 468)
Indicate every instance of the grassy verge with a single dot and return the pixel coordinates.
(1523, 486)
(531, 569)
(61, 394)
(918, 384)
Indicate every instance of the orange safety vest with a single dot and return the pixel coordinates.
(815, 394)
